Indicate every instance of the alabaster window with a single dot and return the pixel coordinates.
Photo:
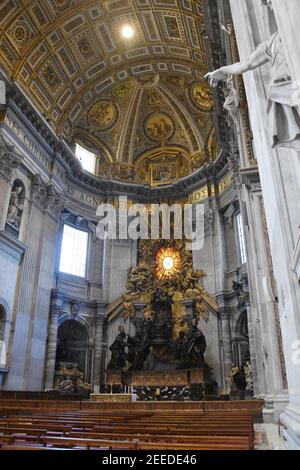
(87, 158)
(241, 237)
(73, 258)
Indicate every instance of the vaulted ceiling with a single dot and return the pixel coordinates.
(126, 96)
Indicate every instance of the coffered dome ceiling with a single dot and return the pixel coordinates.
(141, 104)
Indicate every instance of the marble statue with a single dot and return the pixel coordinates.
(2, 352)
(196, 346)
(118, 354)
(282, 108)
(15, 206)
(2, 93)
(232, 102)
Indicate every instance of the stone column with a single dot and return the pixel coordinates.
(226, 343)
(55, 308)
(98, 344)
(279, 174)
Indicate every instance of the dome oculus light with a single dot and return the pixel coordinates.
(127, 31)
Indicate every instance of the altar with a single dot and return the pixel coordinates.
(113, 397)
(167, 378)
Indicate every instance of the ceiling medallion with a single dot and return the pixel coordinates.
(21, 33)
(103, 114)
(168, 263)
(159, 127)
(201, 95)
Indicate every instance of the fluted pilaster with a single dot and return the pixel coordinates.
(98, 345)
(227, 349)
(55, 309)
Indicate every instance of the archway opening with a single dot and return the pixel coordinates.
(2, 322)
(73, 347)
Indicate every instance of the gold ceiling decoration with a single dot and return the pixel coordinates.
(202, 96)
(82, 40)
(134, 96)
(103, 114)
(159, 127)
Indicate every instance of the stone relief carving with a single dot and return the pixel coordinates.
(9, 161)
(159, 126)
(102, 114)
(202, 96)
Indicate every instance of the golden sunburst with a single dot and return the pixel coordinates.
(168, 263)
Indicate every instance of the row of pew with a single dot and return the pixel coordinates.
(34, 429)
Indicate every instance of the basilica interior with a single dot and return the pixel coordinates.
(114, 104)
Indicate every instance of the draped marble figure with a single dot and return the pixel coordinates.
(2, 351)
(283, 107)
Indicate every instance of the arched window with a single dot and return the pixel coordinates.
(87, 158)
(73, 346)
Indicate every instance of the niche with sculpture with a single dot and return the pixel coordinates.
(15, 208)
(2, 331)
(72, 372)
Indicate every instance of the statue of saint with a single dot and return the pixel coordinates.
(180, 347)
(118, 354)
(15, 206)
(196, 346)
(283, 109)
(2, 351)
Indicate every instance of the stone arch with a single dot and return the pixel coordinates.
(74, 346)
(4, 318)
(2, 321)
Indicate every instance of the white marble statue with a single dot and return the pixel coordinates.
(283, 107)
(2, 93)
(2, 352)
(15, 207)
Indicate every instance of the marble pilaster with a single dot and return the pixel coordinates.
(55, 308)
(227, 347)
(98, 347)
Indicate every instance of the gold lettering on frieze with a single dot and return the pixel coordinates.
(28, 142)
(86, 198)
(225, 182)
(199, 195)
